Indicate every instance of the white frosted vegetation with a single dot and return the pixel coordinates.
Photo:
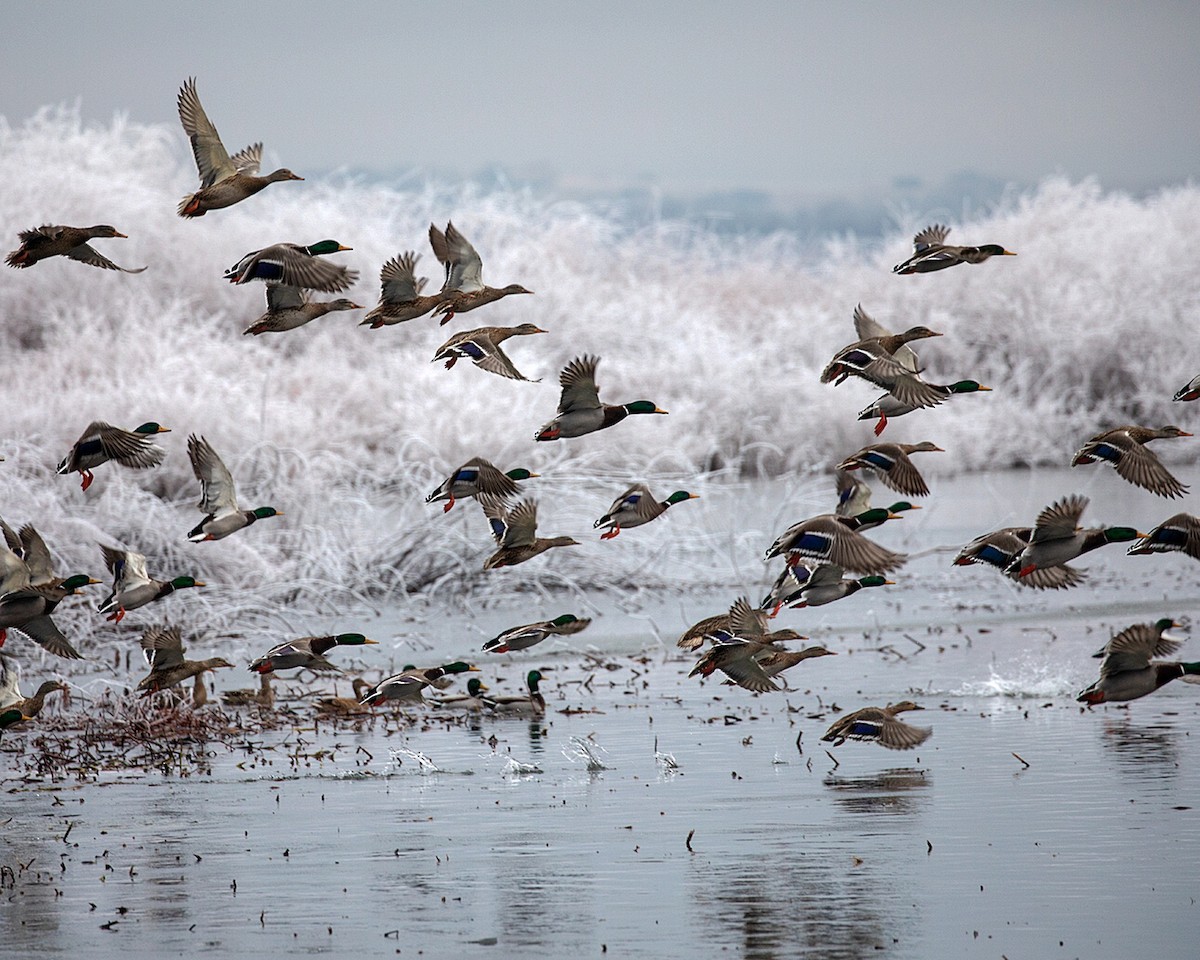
(346, 429)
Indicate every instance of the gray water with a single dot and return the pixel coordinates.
(1081, 845)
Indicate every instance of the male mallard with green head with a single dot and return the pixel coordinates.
(932, 253)
(1127, 671)
(579, 407)
(637, 506)
(478, 477)
(218, 496)
(295, 266)
(102, 442)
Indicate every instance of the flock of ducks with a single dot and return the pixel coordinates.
(817, 551)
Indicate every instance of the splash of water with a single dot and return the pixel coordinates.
(423, 765)
(588, 751)
(515, 768)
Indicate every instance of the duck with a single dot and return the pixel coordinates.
(478, 476)
(463, 288)
(814, 585)
(294, 265)
(888, 407)
(218, 496)
(637, 506)
(531, 704)
(515, 532)
(1057, 537)
(409, 685)
(290, 307)
(774, 663)
(263, 697)
(163, 646)
(931, 252)
(1127, 671)
(830, 539)
(133, 587)
(886, 360)
(10, 691)
(471, 700)
(224, 180)
(400, 298)
(345, 706)
(102, 442)
(740, 620)
(736, 651)
(892, 465)
(30, 592)
(1000, 549)
(1124, 447)
(529, 634)
(1164, 645)
(306, 652)
(482, 347)
(854, 504)
(579, 408)
(1178, 533)
(879, 725)
(1189, 391)
(57, 240)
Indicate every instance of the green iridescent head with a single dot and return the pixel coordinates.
(680, 495)
(261, 513)
(351, 640)
(1166, 623)
(9, 717)
(643, 406)
(995, 250)
(520, 474)
(967, 386)
(564, 619)
(532, 679)
(459, 667)
(150, 427)
(875, 581)
(900, 506)
(1120, 534)
(182, 583)
(71, 584)
(875, 515)
(326, 246)
(475, 686)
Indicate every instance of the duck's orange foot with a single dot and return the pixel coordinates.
(611, 533)
(449, 506)
(88, 477)
(451, 362)
(118, 616)
(881, 424)
(1026, 571)
(775, 612)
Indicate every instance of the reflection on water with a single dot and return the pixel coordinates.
(884, 792)
(1141, 751)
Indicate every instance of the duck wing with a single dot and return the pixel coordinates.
(217, 492)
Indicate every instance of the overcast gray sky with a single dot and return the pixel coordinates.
(797, 98)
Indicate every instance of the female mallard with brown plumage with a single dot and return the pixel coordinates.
(164, 648)
(482, 348)
(224, 180)
(291, 307)
(886, 360)
(464, 288)
(56, 240)
(1178, 533)
(515, 532)
(1125, 449)
(892, 465)
(400, 297)
(879, 725)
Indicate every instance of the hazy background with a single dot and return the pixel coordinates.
(816, 115)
